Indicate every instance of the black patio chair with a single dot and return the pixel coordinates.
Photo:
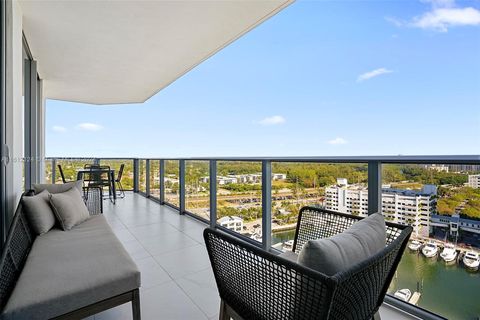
(118, 181)
(62, 174)
(99, 176)
(257, 284)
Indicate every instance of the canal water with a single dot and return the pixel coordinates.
(448, 290)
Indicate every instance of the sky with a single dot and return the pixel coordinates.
(321, 78)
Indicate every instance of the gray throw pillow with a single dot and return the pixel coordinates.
(69, 208)
(342, 251)
(38, 212)
(58, 188)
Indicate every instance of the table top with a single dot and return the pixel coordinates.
(94, 169)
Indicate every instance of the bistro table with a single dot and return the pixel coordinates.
(111, 172)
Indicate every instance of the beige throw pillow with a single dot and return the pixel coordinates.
(362, 240)
(38, 212)
(69, 208)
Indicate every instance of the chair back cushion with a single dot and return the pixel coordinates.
(69, 208)
(340, 252)
(57, 188)
(39, 212)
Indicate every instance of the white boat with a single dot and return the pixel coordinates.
(257, 235)
(430, 250)
(414, 245)
(449, 253)
(403, 294)
(471, 260)
(288, 245)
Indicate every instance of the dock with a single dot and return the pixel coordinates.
(415, 297)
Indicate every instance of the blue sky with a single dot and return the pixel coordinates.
(321, 78)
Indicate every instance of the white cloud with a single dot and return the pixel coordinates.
(337, 140)
(440, 3)
(59, 129)
(273, 120)
(442, 15)
(89, 126)
(372, 74)
(441, 19)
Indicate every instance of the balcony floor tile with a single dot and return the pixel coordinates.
(177, 281)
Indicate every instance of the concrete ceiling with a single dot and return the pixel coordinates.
(108, 52)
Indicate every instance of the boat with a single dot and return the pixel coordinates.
(471, 260)
(288, 245)
(430, 250)
(257, 235)
(449, 253)
(414, 245)
(403, 294)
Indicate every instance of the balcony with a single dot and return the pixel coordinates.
(87, 52)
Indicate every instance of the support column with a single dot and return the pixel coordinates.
(374, 187)
(181, 186)
(162, 181)
(266, 204)
(213, 193)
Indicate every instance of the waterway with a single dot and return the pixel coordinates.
(448, 290)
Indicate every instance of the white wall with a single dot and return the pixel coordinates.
(14, 105)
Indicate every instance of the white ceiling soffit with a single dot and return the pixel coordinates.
(108, 52)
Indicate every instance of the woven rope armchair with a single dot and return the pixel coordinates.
(256, 284)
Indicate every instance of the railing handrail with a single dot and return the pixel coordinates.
(406, 159)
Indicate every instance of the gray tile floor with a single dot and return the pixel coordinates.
(177, 281)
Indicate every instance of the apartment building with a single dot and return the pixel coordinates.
(474, 181)
(401, 206)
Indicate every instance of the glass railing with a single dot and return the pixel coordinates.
(154, 179)
(438, 196)
(239, 197)
(197, 188)
(332, 186)
(172, 183)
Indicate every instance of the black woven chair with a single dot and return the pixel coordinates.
(118, 181)
(256, 284)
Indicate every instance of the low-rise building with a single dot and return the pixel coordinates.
(233, 223)
(474, 181)
(462, 229)
(437, 167)
(279, 176)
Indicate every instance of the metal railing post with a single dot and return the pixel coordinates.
(267, 204)
(135, 175)
(147, 177)
(374, 187)
(161, 176)
(54, 166)
(213, 193)
(181, 181)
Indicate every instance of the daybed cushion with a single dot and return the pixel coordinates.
(66, 271)
(340, 252)
(57, 188)
(38, 212)
(69, 208)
